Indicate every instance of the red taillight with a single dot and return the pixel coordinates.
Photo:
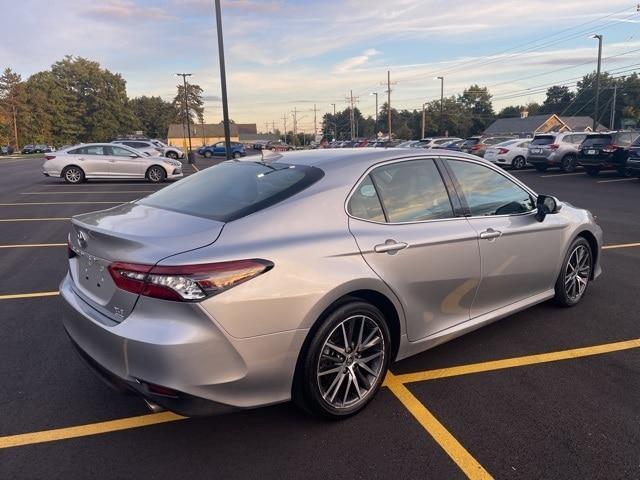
(554, 146)
(476, 147)
(185, 282)
(503, 150)
(610, 148)
(49, 157)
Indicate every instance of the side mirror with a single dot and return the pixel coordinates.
(133, 155)
(546, 205)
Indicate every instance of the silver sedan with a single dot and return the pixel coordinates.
(108, 161)
(303, 276)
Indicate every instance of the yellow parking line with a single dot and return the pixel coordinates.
(194, 167)
(34, 245)
(518, 361)
(55, 203)
(621, 245)
(18, 296)
(52, 219)
(86, 430)
(562, 174)
(467, 463)
(86, 191)
(617, 180)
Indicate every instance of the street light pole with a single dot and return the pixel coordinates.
(186, 110)
(376, 125)
(441, 104)
(423, 118)
(595, 112)
(223, 83)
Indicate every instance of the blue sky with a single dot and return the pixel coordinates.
(283, 55)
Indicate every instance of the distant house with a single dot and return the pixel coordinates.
(208, 133)
(527, 126)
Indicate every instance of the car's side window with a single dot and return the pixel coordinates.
(364, 202)
(488, 192)
(93, 150)
(120, 152)
(412, 191)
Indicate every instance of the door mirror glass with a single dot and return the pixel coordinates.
(133, 155)
(546, 205)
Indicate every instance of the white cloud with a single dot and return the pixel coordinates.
(357, 61)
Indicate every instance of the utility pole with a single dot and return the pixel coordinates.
(350, 99)
(376, 124)
(423, 118)
(595, 112)
(315, 122)
(441, 104)
(273, 126)
(295, 126)
(223, 83)
(266, 126)
(284, 120)
(15, 125)
(334, 109)
(613, 106)
(389, 100)
(186, 110)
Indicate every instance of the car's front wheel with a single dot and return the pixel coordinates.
(518, 163)
(575, 274)
(73, 174)
(172, 155)
(236, 155)
(345, 362)
(207, 154)
(156, 174)
(569, 164)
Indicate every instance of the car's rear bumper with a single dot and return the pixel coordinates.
(178, 346)
(601, 161)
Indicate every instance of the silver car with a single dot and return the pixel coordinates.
(555, 150)
(256, 282)
(108, 161)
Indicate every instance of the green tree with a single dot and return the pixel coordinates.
(153, 115)
(477, 101)
(194, 101)
(558, 99)
(11, 102)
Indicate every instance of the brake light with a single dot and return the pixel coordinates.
(476, 147)
(554, 146)
(503, 150)
(185, 283)
(49, 157)
(610, 148)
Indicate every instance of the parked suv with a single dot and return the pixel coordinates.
(633, 162)
(555, 150)
(151, 147)
(478, 145)
(606, 150)
(27, 149)
(237, 150)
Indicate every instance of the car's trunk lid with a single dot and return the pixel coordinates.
(129, 233)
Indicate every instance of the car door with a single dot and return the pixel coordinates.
(219, 149)
(92, 160)
(519, 254)
(411, 232)
(126, 163)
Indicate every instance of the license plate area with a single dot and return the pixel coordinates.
(536, 150)
(93, 278)
(591, 152)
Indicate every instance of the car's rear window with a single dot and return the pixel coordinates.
(597, 140)
(234, 189)
(470, 142)
(543, 140)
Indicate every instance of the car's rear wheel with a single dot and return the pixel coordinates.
(518, 163)
(575, 274)
(172, 155)
(236, 155)
(345, 362)
(156, 174)
(541, 168)
(592, 171)
(73, 174)
(568, 164)
(207, 154)
(624, 171)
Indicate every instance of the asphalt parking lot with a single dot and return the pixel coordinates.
(546, 393)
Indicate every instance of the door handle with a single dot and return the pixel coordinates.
(490, 234)
(390, 247)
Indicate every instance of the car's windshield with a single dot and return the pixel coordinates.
(234, 189)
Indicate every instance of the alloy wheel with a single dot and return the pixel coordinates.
(155, 175)
(73, 175)
(577, 272)
(351, 362)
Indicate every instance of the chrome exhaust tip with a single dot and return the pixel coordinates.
(154, 407)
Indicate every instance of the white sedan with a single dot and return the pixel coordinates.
(511, 153)
(108, 161)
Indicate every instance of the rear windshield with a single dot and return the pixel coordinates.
(543, 140)
(593, 140)
(470, 141)
(234, 189)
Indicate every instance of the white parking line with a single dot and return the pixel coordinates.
(617, 180)
(559, 175)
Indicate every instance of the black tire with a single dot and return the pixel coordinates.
(156, 174)
(541, 168)
(208, 154)
(172, 155)
(73, 174)
(236, 155)
(518, 163)
(307, 392)
(568, 164)
(592, 171)
(563, 288)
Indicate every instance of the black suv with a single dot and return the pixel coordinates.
(633, 162)
(27, 149)
(606, 151)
